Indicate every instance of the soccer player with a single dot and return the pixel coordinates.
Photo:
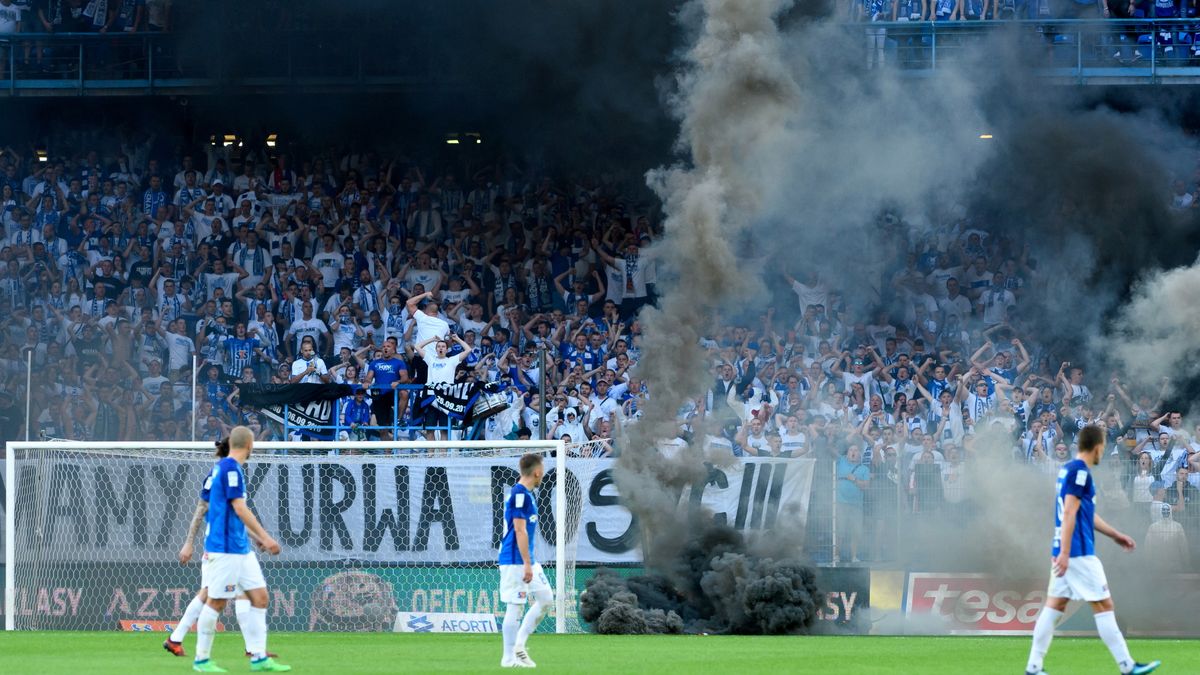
(1077, 573)
(520, 574)
(174, 644)
(230, 564)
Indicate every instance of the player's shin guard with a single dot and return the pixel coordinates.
(541, 602)
(241, 608)
(256, 633)
(188, 619)
(206, 630)
(1106, 625)
(512, 623)
(1043, 633)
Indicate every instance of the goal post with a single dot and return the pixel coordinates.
(360, 523)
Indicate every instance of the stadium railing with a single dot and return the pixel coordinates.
(82, 63)
(402, 425)
(1113, 51)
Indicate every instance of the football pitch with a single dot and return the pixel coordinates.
(345, 653)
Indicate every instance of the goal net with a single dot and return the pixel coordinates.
(375, 536)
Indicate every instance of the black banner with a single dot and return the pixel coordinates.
(305, 406)
(456, 401)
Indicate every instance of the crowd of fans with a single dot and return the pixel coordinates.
(976, 10)
(119, 265)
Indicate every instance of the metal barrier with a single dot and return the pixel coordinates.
(402, 426)
(1141, 51)
(1072, 51)
(147, 63)
(913, 508)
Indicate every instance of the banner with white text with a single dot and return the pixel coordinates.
(80, 507)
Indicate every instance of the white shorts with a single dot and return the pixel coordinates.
(226, 575)
(514, 590)
(1084, 580)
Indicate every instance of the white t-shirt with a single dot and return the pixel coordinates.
(179, 350)
(631, 276)
(615, 284)
(300, 365)
(152, 385)
(795, 444)
(224, 281)
(758, 443)
(810, 295)
(313, 328)
(429, 327)
(867, 380)
(958, 306)
(329, 264)
(441, 370)
(995, 304)
(10, 16)
(345, 335)
(427, 278)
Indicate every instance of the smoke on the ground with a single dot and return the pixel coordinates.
(730, 586)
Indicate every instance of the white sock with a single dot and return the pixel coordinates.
(1043, 633)
(241, 608)
(1106, 625)
(256, 633)
(187, 620)
(512, 623)
(530, 622)
(206, 630)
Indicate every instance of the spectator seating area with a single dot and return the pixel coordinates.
(120, 263)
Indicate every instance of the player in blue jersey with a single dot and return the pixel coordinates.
(230, 566)
(520, 574)
(174, 643)
(1077, 573)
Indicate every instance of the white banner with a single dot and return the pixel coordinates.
(383, 509)
(445, 622)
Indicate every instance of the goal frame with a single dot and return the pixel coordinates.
(10, 492)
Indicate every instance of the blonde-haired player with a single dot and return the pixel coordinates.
(521, 577)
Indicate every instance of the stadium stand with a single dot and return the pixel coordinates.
(119, 264)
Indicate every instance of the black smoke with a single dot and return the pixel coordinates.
(718, 586)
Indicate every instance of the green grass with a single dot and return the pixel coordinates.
(140, 654)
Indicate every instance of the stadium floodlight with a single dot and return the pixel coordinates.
(272, 140)
(985, 137)
(43, 155)
(465, 138)
(375, 535)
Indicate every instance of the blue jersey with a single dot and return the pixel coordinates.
(1075, 479)
(238, 354)
(226, 533)
(356, 412)
(386, 372)
(520, 504)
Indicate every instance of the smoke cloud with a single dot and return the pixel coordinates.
(1154, 335)
(722, 591)
(792, 152)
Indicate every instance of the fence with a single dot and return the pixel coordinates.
(955, 510)
(403, 425)
(1073, 51)
(147, 63)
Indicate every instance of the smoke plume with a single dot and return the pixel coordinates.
(734, 98)
(791, 153)
(1154, 335)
